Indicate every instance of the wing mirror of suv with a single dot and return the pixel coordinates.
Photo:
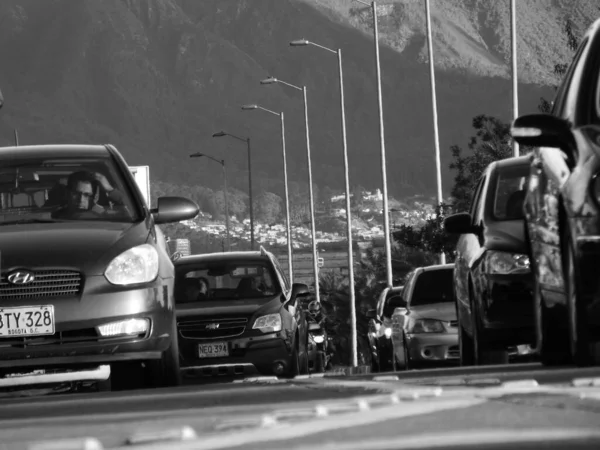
(543, 130)
(299, 289)
(1, 99)
(461, 223)
(371, 314)
(174, 209)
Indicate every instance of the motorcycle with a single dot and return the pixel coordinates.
(319, 354)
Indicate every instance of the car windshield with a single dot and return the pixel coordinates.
(225, 281)
(509, 193)
(40, 190)
(433, 286)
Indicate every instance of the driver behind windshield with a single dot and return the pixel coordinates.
(82, 194)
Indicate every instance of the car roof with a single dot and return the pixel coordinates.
(515, 161)
(221, 257)
(55, 151)
(436, 267)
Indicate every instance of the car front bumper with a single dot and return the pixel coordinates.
(77, 341)
(433, 348)
(247, 354)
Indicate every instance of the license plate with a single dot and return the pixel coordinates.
(213, 350)
(27, 321)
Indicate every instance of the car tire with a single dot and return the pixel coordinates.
(320, 362)
(295, 363)
(484, 353)
(579, 347)
(165, 372)
(466, 348)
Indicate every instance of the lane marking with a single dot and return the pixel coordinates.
(184, 433)
(580, 382)
(303, 429)
(68, 444)
(475, 438)
(517, 384)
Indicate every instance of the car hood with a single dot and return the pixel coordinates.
(440, 311)
(243, 307)
(81, 246)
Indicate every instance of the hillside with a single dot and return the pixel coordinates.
(473, 36)
(158, 77)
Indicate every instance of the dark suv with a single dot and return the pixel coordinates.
(85, 279)
(237, 314)
(562, 210)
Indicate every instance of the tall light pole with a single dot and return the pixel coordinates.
(386, 220)
(247, 141)
(338, 52)
(285, 183)
(226, 194)
(311, 206)
(436, 135)
(515, 79)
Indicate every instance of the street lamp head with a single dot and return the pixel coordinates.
(220, 134)
(299, 43)
(196, 155)
(249, 107)
(270, 80)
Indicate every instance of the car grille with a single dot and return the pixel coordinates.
(211, 328)
(47, 283)
(58, 338)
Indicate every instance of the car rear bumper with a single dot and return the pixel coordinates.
(77, 340)
(433, 348)
(246, 355)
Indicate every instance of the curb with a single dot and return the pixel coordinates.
(347, 370)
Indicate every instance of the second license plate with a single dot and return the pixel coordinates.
(213, 350)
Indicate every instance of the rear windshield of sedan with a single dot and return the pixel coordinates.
(38, 190)
(509, 193)
(225, 281)
(433, 286)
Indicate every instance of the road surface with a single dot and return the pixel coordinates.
(318, 411)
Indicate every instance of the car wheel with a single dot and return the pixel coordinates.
(320, 362)
(407, 363)
(466, 347)
(295, 364)
(165, 372)
(577, 323)
(484, 353)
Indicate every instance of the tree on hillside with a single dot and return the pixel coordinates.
(356, 201)
(560, 69)
(238, 202)
(268, 207)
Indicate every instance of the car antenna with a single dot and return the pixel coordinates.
(16, 138)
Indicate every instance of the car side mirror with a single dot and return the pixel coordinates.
(461, 223)
(174, 209)
(371, 314)
(543, 130)
(1, 99)
(299, 289)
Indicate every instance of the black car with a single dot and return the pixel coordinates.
(493, 283)
(562, 210)
(85, 277)
(238, 315)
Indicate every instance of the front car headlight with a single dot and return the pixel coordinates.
(268, 323)
(136, 265)
(505, 263)
(420, 326)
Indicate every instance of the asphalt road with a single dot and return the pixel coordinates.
(370, 411)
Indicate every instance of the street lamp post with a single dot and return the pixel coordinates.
(515, 79)
(354, 339)
(436, 135)
(313, 232)
(226, 194)
(247, 141)
(285, 182)
(386, 221)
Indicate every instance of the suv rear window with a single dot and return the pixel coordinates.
(433, 286)
(225, 281)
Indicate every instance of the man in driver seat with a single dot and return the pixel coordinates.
(82, 193)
